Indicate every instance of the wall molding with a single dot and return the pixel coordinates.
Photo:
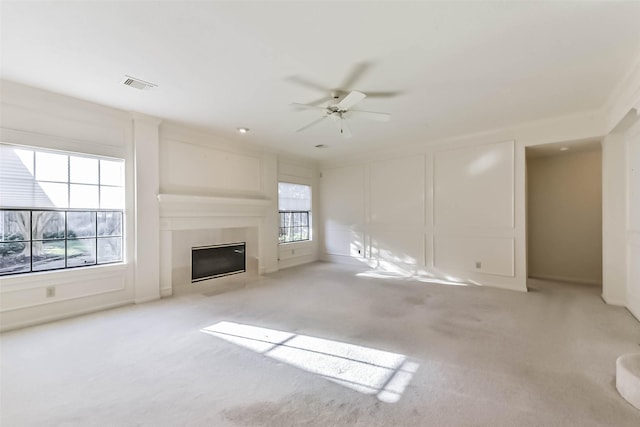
(624, 97)
(38, 280)
(48, 141)
(570, 127)
(8, 326)
(120, 280)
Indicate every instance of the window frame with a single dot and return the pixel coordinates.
(309, 216)
(307, 227)
(118, 207)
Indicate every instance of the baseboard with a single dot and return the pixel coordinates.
(567, 279)
(347, 260)
(613, 301)
(635, 311)
(147, 299)
(507, 287)
(54, 318)
(296, 261)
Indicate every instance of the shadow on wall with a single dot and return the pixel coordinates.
(363, 369)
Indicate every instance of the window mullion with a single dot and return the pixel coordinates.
(68, 195)
(66, 241)
(99, 202)
(96, 238)
(31, 236)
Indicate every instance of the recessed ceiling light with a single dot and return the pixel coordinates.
(243, 130)
(564, 148)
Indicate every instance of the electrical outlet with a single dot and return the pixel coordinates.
(478, 264)
(51, 291)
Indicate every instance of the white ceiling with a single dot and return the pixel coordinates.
(457, 67)
(564, 148)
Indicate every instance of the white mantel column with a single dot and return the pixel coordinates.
(147, 211)
(269, 229)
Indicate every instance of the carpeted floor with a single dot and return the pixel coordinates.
(319, 345)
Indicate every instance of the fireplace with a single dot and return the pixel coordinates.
(188, 222)
(208, 262)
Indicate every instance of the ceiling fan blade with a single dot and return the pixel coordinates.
(308, 83)
(356, 74)
(313, 123)
(344, 129)
(307, 106)
(370, 115)
(350, 100)
(387, 94)
(321, 100)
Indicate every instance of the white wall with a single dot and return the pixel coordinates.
(437, 208)
(37, 118)
(199, 163)
(445, 212)
(564, 216)
(474, 198)
(147, 217)
(621, 212)
(633, 217)
(621, 196)
(614, 217)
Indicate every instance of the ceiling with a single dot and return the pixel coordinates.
(452, 67)
(564, 148)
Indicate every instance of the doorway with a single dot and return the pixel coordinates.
(564, 212)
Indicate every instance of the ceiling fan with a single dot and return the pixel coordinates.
(342, 111)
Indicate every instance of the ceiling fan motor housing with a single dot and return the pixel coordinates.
(339, 110)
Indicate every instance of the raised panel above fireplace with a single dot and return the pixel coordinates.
(194, 168)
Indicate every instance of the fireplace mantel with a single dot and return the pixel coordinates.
(185, 212)
(181, 213)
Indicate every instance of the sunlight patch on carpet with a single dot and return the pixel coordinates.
(363, 369)
(375, 274)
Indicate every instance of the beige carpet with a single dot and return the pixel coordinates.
(321, 346)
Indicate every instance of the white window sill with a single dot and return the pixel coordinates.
(54, 277)
(301, 242)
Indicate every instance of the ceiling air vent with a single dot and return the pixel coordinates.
(137, 83)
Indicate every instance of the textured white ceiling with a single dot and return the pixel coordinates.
(455, 67)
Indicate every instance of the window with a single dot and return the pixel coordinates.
(59, 210)
(294, 201)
